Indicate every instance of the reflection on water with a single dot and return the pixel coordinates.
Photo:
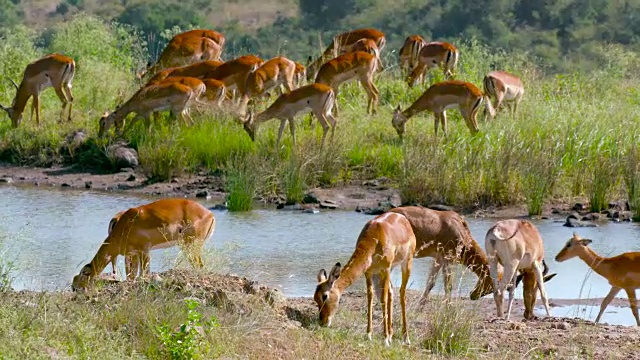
(613, 315)
(50, 234)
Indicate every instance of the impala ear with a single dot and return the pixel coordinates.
(14, 84)
(322, 276)
(585, 242)
(335, 272)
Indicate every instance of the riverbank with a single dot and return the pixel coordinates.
(232, 317)
(355, 196)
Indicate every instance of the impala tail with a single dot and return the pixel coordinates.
(451, 61)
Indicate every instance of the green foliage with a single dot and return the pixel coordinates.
(451, 330)
(161, 154)
(187, 342)
(241, 184)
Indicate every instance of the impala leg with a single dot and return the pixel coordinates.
(132, 264)
(443, 122)
(540, 280)
(431, 279)
(369, 305)
(67, 90)
(406, 272)
(325, 126)
(36, 104)
(612, 293)
(436, 122)
(512, 292)
(631, 294)
(507, 277)
(385, 302)
(335, 104)
(292, 128)
(63, 98)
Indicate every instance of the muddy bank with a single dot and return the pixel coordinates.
(355, 196)
(290, 323)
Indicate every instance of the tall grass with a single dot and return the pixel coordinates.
(241, 184)
(553, 147)
(631, 166)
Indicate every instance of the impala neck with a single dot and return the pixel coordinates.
(412, 110)
(101, 259)
(475, 259)
(355, 267)
(20, 101)
(594, 261)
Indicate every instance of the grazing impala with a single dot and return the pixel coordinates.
(384, 242)
(516, 245)
(341, 41)
(157, 225)
(196, 33)
(445, 236)
(175, 94)
(53, 70)
(198, 70)
(622, 271)
(351, 66)
(185, 51)
(319, 98)
(234, 73)
(435, 54)
(410, 52)
(438, 98)
(502, 86)
(270, 75)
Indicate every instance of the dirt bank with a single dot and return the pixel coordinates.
(357, 195)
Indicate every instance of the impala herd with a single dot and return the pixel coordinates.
(190, 72)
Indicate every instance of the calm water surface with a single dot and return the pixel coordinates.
(50, 234)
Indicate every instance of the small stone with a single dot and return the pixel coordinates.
(131, 178)
(310, 198)
(88, 184)
(203, 194)
(328, 204)
(311, 211)
(6, 180)
(174, 180)
(65, 185)
(578, 207)
(219, 207)
(440, 207)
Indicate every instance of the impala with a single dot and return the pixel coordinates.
(53, 70)
(175, 94)
(622, 271)
(211, 34)
(198, 70)
(157, 225)
(432, 55)
(366, 45)
(502, 86)
(112, 224)
(445, 236)
(385, 242)
(270, 75)
(185, 51)
(440, 97)
(516, 245)
(339, 42)
(351, 66)
(234, 73)
(410, 52)
(300, 74)
(319, 98)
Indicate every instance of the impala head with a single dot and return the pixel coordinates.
(399, 121)
(15, 117)
(484, 286)
(326, 296)
(572, 248)
(106, 122)
(81, 281)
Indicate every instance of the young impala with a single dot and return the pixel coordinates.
(348, 67)
(157, 225)
(410, 52)
(175, 94)
(385, 242)
(53, 70)
(319, 98)
(502, 86)
(622, 271)
(440, 97)
(432, 55)
(341, 41)
(516, 245)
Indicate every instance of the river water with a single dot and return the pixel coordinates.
(49, 234)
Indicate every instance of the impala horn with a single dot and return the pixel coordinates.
(14, 84)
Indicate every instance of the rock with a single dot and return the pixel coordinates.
(374, 211)
(574, 216)
(311, 211)
(578, 207)
(561, 326)
(203, 194)
(131, 178)
(591, 217)
(290, 207)
(274, 298)
(6, 180)
(622, 215)
(122, 156)
(440, 207)
(126, 170)
(175, 181)
(572, 222)
(310, 198)
(77, 138)
(517, 326)
(219, 207)
(329, 204)
(65, 185)
(556, 211)
(372, 183)
(88, 184)
(617, 205)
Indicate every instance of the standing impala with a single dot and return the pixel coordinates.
(366, 45)
(53, 70)
(351, 66)
(175, 94)
(432, 55)
(341, 41)
(385, 242)
(185, 51)
(319, 98)
(622, 271)
(438, 98)
(234, 73)
(211, 34)
(157, 225)
(502, 86)
(270, 75)
(410, 52)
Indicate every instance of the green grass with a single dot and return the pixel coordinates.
(567, 139)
